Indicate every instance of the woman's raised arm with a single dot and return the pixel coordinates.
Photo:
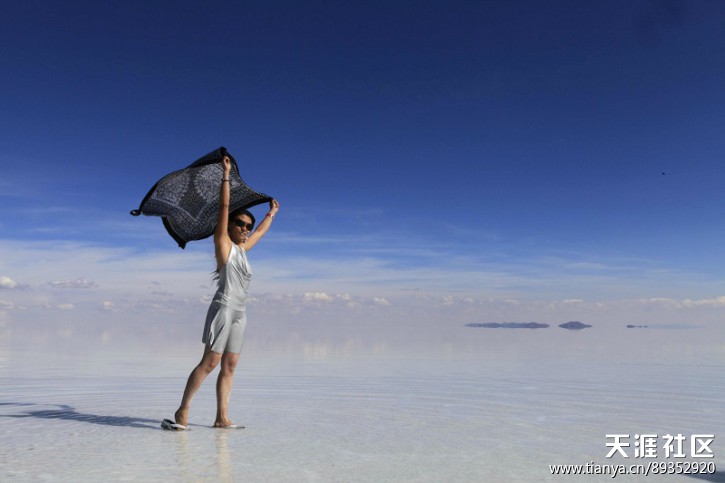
(222, 243)
(262, 227)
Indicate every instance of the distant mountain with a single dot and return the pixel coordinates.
(574, 325)
(510, 325)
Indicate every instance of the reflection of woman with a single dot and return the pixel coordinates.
(226, 319)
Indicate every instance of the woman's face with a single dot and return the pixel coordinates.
(239, 228)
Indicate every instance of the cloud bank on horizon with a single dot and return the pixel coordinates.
(93, 281)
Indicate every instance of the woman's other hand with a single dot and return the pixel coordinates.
(273, 207)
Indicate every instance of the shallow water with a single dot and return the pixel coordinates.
(453, 415)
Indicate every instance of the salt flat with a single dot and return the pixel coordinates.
(498, 414)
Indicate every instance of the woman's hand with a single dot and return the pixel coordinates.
(273, 207)
(227, 165)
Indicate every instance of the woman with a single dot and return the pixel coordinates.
(225, 320)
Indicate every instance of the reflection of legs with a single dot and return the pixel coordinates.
(208, 362)
(223, 458)
(224, 388)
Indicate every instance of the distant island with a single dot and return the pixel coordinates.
(511, 325)
(574, 325)
(630, 326)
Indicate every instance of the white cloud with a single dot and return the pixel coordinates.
(670, 303)
(77, 283)
(108, 305)
(318, 297)
(660, 301)
(713, 302)
(381, 301)
(66, 306)
(7, 283)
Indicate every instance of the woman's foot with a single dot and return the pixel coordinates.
(181, 416)
(225, 424)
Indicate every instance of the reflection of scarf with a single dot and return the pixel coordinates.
(188, 199)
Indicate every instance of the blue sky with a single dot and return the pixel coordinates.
(481, 154)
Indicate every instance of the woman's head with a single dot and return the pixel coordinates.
(241, 224)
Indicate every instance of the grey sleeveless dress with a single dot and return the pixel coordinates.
(226, 318)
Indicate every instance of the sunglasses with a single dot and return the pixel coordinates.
(241, 224)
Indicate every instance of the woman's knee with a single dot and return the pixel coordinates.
(209, 366)
(229, 361)
(209, 362)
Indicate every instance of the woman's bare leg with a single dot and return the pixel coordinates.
(224, 388)
(208, 362)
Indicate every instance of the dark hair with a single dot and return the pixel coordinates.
(242, 211)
